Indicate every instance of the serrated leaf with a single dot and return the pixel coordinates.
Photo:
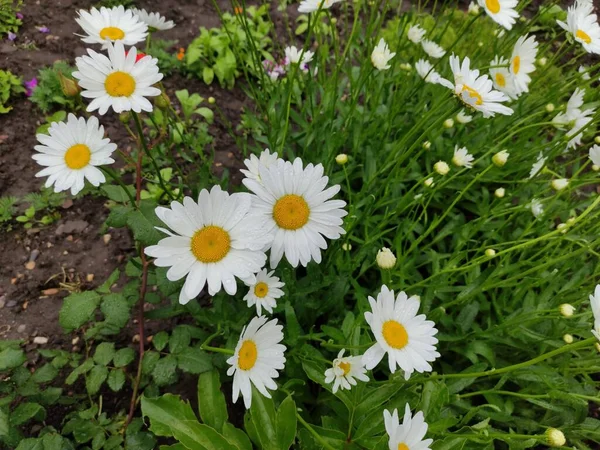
(142, 223)
(116, 379)
(117, 194)
(123, 357)
(77, 309)
(115, 309)
(45, 374)
(85, 367)
(164, 371)
(25, 412)
(104, 353)
(194, 360)
(11, 358)
(180, 339)
(160, 340)
(94, 379)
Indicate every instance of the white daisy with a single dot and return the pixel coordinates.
(582, 23)
(415, 34)
(585, 74)
(408, 339)
(595, 155)
(344, 372)
(502, 78)
(297, 209)
(111, 25)
(463, 117)
(462, 157)
(473, 8)
(537, 209)
(522, 62)
(381, 56)
(71, 151)
(266, 159)
(258, 356)
(538, 165)
(294, 55)
(432, 49)
(154, 20)
(264, 292)
(595, 304)
(408, 435)
(425, 70)
(308, 6)
(214, 242)
(475, 90)
(119, 81)
(574, 117)
(501, 11)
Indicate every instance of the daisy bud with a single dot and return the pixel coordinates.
(162, 101)
(550, 107)
(570, 220)
(448, 123)
(69, 87)
(559, 184)
(499, 193)
(500, 158)
(385, 258)
(480, 44)
(426, 145)
(429, 182)
(562, 227)
(597, 345)
(568, 338)
(595, 168)
(346, 247)
(441, 167)
(333, 21)
(463, 118)
(406, 66)
(566, 310)
(490, 253)
(211, 100)
(125, 117)
(473, 8)
(542, 61)
(341, 159)
(597, 139)
(555, 438)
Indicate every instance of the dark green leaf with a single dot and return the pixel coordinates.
(116, 379)
(123, 357)
(164, 371)
(25, 412)
(104, 353)
(45, 374)
(94, 379)
(77, 309)
(286, 423)
(160, 340)
(211, 401)
(11, 358)
(194, 360)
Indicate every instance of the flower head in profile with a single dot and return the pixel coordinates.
(409, 434)
(594, 155)
(595, 304)
(538, 165)
(308, 6)
(213, 242)
(583, 25)
(381, 56)
(265, 159)
(264, 292)
(522, 62)
(407, 338)
(501, 11)
(432, 49)
(120, 82)
(257, 358)
(426, 71)
(537, 209)
(345, 372)
(273, 69)
(575, 118)
(111, 25)
(294, 55)
(463, 117)
(462, 157)
(415, 34)
(72, 152)
(154, 20)
(502, 78)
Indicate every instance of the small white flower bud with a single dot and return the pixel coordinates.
(559, 184)
(499, 193)
(341, 159)
(429, 182)
(500, 158)
(562, 227)
(441, 167)
(385, 258)
(570, 220)
(550, 107)
(555, 438)
(426, 145)
(346, 247)
(566, 310)
(448, 123)
(597, 139)
(568, 338)
(595, 168)
(490, 253)
(542, 61)
(406, 66)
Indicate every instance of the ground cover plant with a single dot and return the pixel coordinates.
(407, 260)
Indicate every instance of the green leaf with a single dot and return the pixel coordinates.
(115, 309)
(11, 358)
(206, 113)
(433, 398)
(118, 216)
(286, 423)
(116, 379)
(104, 353)
(104, 288)
(293, 328)
(164, 371)
(94, 379)
(123, 357)
(208, 75)
(4, 426)
(45, 374)
(25, 412)
(194, 360)
(141, 441)
(142, 223)
(80, 370)
(117, 193)
(160, 340)
(77, 309)
(180, 339)
(262, 415)
(211, 401)
(237, 437)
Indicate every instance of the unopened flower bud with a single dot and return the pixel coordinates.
(555, 438)
(500, 158)
(406, 66)
(385, 258)
(570, 220)
(597, 139)
(448, 123)
(211, 100)
(429, 182)
(550, 107)
(562, 227)
(441, 167)
(490, 253)
(69, 87)
(346, 247)
(162, 101)
(568, 338)
(125, 117)
(595, 168)
(499, 193)
(341, 159)
(566, 310)
(559, 184)
(426, 145)
(333, 20)
(542, 61)
(597, 345)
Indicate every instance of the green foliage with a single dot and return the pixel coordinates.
(10, 85)
(113, 3)
(7, 208)
(167, 54)
(9, 22)
(49, 95)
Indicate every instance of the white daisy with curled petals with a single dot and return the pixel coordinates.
(111, 25)
(537, 208)
(266, 158)
(583, 25)
(298, 210)
(462, 157)
(426, 71)
(538, 165)
(594, 155)
(502, 12)
(293, 55)
(415, 34)
(502, 78)
(432, 49)
(407, 338)
(264, 292)
(345, 372)
(381, 56)
(213, 242)
(118, 81)
(72, 152)
(257, 358)
(522, 62)
(154, 20)
(575, 118)
(409, 434)
(595, 304)
(308, 6)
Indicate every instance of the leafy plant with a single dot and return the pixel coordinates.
(113, 3)
(168, 57)
(49, 94)
(9, 22)
(7, 208)
(10, 85)
(45, 202)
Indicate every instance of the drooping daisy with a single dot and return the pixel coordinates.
(154, 20)
(537, 209)
(344, 372)
(213, 242)
(297, 209)
(266, 159)
(112, 25)
(502, 78)
(474, 90)
(407, 338)
(308, 6)
(425, 70)
(595, 304)
(463, 117)
(71, 152)
(432, 49)
(408, 435)
(522, 62)
(264, 292)
(501, 11)
(582, 23)
(119, 81)
(295, 56)
(381, 56)
(574, 117)
(257, 358)
(462, 157)
(415, 34)
(538, 165)
(595, 155)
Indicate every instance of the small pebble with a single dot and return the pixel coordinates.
(51, 291)
(30, 265)
(89, 277)
(40, 340)
(149, 338)
(106, 238)
(135, 338)
(75, 340)
(34, 255)
(11, 303)
(21, 328)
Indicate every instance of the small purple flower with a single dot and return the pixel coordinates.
(11, 36)
(30, 86)
(43, 29)
(273, 69)
(19, 16)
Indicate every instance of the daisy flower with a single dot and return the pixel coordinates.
(432, 49)
(574, 117)
(257, 358)
(154, 20)
(111, 25)
(501, 11)
(537, 166)
(213, 242)
(344, 372)
(297, 210)
(406, 337)
(71, 152)
(308, 6)
(462, 157)
(119, 81)
(522, 62)
(264, 292)
(595, 155)
(381, 56)
(585, 74)
(294, 55)
(502, 78)
(415, 34)
(595, 304)
(266, 158)
(425, 70)
(537, 209)
(582, 23)
(474, 90)
(408, 435)
(463, 117)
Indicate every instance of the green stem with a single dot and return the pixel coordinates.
(312, 431)
(114, 176)
(225, 351)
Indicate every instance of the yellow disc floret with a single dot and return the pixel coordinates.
(78, 156)
(500, 80)
(583, 36)
(395, 334)
(112, 33)
(261, 289)
(291, 212)
(247, 355)
(345, 367)
(210, 244)
(516, 64)
(473, 93)
(493, 6)
(119, 84)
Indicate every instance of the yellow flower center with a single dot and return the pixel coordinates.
(119, 84)
(210, 244)
(261, 289)
(291, 212)
(516, 64)
(493, 6)
(402, 446)
(78, 156)
(395, 334)
(247, 355)
(345, 367)
(500, 80)
(112, 33)
(473, 93)
(583, 36)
